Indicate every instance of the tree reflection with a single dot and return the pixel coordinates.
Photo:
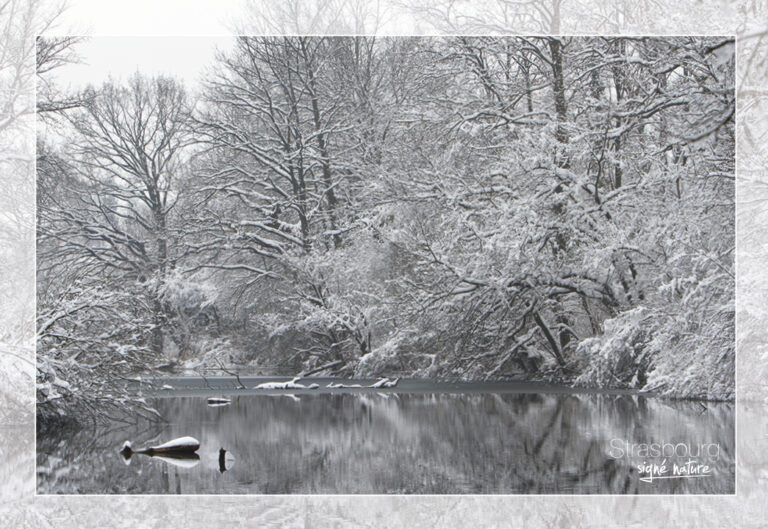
(407, 443)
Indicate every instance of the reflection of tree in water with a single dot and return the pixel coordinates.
(399, 443)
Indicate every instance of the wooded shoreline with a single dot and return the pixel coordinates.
(551, 208)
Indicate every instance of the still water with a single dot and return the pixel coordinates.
(419, 438)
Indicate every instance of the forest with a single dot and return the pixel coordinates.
(455, 208)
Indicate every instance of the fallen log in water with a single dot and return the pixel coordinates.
(291, 384)
(182, 445)
(385, 383)
(334, 385)
(382, 383)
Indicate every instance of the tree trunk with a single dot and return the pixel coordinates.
(322, 146)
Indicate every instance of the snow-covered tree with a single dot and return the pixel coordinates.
(471, 207)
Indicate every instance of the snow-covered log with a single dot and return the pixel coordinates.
(334, 385)
(291, 384)
(181, 445)
(385, 383)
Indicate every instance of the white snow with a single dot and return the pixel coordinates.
(382, 383)
(333, 385)
(181, 444)
(291, 384)
(385, 383)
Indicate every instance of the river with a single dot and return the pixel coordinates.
(420, 437)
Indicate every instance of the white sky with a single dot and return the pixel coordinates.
(148, 17)
(120, 57)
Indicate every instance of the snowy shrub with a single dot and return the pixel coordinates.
(620, 357)
(695, 342)
(405, 353)
(90, 341)
(189, 308)
(186, 295)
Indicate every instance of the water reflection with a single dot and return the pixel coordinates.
(395, 443)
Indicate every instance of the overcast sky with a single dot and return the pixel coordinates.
(119, 57)
(148, 17)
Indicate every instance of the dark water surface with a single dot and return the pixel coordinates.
(420, 438)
